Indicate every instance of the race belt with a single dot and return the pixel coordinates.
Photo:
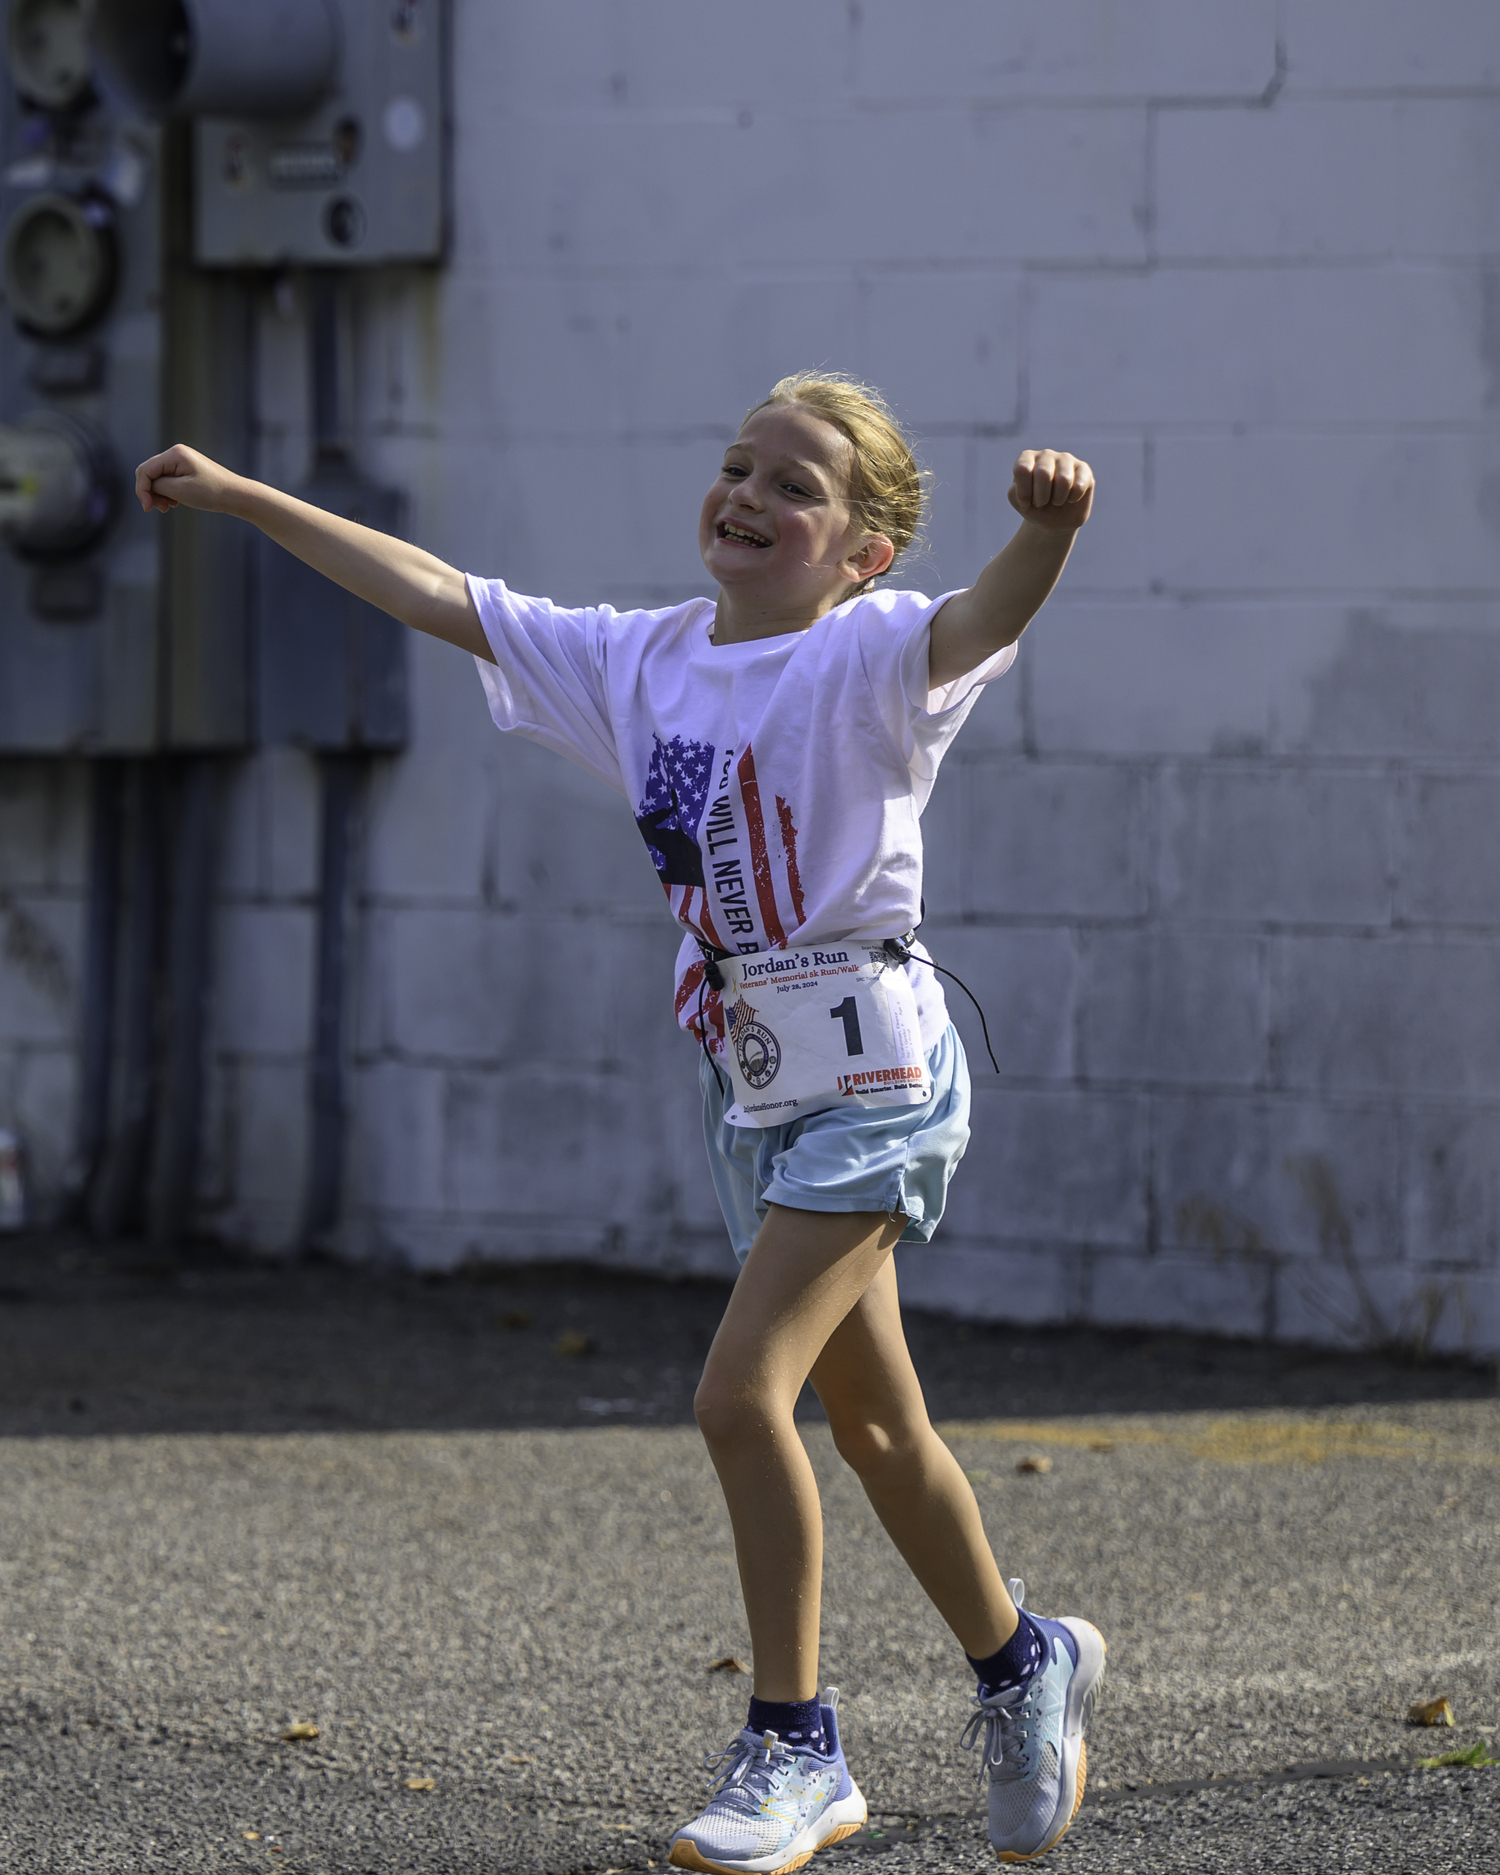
(815, 1027)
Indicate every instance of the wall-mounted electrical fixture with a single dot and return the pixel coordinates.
(82, 397)
(182, 58)
(156, 158)
(60, 261)
(58, 484)
(121, 639)
(317, 124)
(47, 49)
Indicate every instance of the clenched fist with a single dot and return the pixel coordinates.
(182, 475)
(1051, 489)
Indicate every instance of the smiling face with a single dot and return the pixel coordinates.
(776, 526)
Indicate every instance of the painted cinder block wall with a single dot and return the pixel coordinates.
(1224, 851)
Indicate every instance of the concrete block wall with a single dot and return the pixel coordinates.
(1228, 861)
(1220, 850)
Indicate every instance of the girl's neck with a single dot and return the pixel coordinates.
(741, 620)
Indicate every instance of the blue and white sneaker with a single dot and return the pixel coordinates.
(1034, 1752)
(774, 1806)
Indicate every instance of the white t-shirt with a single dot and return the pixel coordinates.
(777, 785)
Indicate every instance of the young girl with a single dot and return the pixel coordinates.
(778, 744)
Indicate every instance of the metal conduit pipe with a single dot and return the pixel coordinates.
(100, 962)
(115, 1200)
(342, 777)
(179, 1103)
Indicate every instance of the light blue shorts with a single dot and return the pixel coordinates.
(892, 1159)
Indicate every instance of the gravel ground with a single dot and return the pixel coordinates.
(235, 1499)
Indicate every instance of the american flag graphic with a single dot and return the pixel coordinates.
(748, 897)
(741, 1015)
(677, 782)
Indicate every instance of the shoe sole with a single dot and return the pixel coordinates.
(687, 1854)
(1083, 1692)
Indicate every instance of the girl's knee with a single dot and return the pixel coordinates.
(874, 1449)
(712, 1410)
(729, 1413)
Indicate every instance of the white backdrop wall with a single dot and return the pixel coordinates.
(1224, 851)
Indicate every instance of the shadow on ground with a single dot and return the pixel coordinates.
(99, 1341)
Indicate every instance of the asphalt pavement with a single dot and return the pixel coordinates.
(466, 1532)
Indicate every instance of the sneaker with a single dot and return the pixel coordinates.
(1034, 1752)
(773, 1806)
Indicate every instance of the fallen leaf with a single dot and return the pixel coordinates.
(1035, 1464)
(421, 1783)
(727, 1664)
(513, 1319)
(302, 1729)
(571, 1345)
(1430, 1712)
(1101, 1445)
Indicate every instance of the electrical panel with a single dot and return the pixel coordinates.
(81, 201)
(317, 130)
(156, 156)
(119, 634)
(318, 125)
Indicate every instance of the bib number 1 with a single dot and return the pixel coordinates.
(848, 1013)
(814, 1029)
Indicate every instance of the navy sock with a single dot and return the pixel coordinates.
(796, 1722)
(1016, 1661)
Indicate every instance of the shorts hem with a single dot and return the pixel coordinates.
(813, 1202)
(919, 1147)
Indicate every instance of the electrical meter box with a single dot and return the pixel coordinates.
(318, 125)
(80, 398)
(156, 156)
(118, 635)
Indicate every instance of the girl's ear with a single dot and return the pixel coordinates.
(868, 560)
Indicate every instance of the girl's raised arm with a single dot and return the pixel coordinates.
(409, 583)
(1053, 493)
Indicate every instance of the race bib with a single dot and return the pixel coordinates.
(812, 1029)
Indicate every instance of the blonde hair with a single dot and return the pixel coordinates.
(887, 491)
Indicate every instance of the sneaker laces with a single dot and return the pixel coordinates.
(745, 1772)
(1005, 1720)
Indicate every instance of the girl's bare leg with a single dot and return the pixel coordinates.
(817, 1296)
(873, 1399)
(805, 1272)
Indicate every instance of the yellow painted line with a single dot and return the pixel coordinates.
(1236, 1439)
